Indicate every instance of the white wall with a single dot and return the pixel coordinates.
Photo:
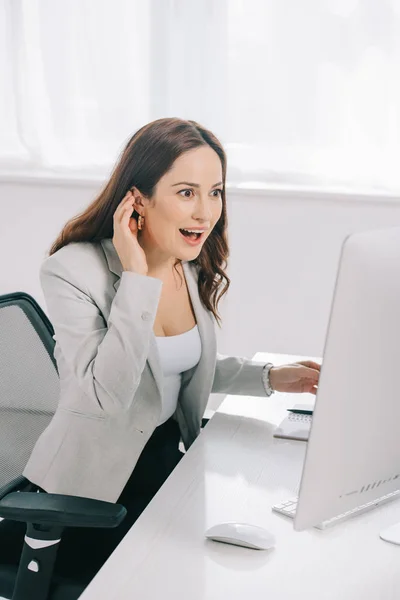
(284, 253)
(284, 257)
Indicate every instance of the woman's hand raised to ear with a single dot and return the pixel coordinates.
(296, 378)
(125, 241)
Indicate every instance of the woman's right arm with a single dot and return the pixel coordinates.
(107, 359)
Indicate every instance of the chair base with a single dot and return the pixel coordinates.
(60, 589)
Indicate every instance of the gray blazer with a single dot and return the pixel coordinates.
(110, 373)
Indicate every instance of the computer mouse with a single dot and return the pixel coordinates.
(241, 534)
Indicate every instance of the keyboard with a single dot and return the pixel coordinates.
(294, 427)
(288, 508)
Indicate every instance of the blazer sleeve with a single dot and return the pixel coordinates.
(107, 359)
(239, 376)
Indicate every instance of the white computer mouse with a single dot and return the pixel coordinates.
(242, 534)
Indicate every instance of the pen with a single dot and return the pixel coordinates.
(299, 411)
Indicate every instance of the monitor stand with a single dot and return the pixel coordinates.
(391, 534)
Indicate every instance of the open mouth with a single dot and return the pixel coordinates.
(190, 235)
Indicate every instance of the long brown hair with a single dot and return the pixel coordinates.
(148, 155)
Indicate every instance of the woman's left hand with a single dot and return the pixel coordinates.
(296, 378)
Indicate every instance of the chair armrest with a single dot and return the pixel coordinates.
(60, 510)
(13, 486)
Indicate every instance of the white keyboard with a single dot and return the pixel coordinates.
(288, 508)
(294, 427)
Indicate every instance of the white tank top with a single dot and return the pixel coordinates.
(178, 353)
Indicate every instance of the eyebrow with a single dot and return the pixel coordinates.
(195, 185)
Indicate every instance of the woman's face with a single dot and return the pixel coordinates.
(189, 196)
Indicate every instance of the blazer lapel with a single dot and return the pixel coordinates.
(114, 264)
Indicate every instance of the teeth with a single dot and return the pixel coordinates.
(193, 231)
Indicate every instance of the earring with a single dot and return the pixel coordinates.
(140, 222)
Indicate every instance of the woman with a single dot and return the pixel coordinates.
(132, 287)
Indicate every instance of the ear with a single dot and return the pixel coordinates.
(140, 200)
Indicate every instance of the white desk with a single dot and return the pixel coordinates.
(236, 471)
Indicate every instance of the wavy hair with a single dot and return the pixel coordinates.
(148, 155)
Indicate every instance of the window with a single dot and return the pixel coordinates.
(299, 92)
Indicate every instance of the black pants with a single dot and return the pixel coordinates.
(83, 551)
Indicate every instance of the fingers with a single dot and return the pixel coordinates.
(310, 374)
(311, 364)
(309, 388)
(124, 206)
(126, 219)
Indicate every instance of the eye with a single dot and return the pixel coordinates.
(217, 193)
(186, 193)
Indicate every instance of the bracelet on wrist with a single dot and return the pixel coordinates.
(266, 379)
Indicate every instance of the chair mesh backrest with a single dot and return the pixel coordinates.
(29, 388)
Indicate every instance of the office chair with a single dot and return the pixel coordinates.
(29, 392)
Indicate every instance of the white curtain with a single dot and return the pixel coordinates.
(299, 92)
(77, 81)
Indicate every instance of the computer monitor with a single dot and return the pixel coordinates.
(353, 452)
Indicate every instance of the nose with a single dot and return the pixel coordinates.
(203, 209)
